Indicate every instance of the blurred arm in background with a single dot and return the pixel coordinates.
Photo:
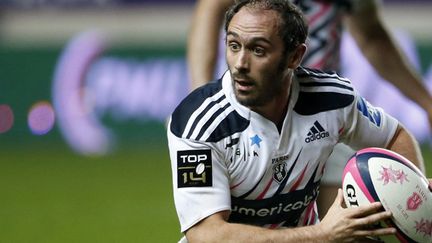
(203, 40)
(375, 41)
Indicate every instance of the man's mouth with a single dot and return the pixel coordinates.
(243, 84)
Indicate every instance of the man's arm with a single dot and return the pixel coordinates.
(375, 41)
(215, 228)
(404, 143)
(338, 225)
(202, 46)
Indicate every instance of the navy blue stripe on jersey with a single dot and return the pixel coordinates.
(233, 123)
(200, 116)
(209, 121)
(251, 190)
(190, 104)
(309, 103)
(311, 180)
(283, 183)
(315, 73)
(312, 84)
(195, 117)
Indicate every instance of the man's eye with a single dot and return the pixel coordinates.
(234, 46)
(259, 51)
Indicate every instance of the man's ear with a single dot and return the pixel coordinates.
(296, 56)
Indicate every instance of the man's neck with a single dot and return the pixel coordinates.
(276, 109)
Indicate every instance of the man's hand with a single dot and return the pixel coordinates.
(348, 224)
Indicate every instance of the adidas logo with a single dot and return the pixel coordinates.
(316, 132)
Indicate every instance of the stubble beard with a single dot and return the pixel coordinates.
(262, 95)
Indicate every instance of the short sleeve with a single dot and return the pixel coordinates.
(200, 180)
(367, 125)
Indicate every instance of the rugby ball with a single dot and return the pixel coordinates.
(380, 175)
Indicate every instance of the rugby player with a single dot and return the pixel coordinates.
(248, 150)
(327, 19)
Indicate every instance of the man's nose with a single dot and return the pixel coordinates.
(242, 61)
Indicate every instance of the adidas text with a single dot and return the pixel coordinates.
(316, 136)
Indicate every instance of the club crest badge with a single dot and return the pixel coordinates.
(279, 171)
(414, 201)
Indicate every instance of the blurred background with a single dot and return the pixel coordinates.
(82, 159)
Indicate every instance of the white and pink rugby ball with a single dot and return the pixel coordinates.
(380, 175)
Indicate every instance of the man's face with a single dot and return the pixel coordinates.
(254, 54)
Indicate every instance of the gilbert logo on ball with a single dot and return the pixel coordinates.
(380, 175)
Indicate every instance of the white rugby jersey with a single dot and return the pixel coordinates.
(226, 157)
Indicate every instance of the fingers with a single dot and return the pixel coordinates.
(364, 210)
(372, 218)
(370, 226)
(339, 198)
(358, 221)
(374, 232)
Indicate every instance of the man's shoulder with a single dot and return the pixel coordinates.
(322, 91)
(206, 115)
(305, 75)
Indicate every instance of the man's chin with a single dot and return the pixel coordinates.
(246, 100)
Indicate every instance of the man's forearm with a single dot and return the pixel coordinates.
(230, 232)
(377, 45)
(394, 67)
(405, 144)
(202, 47)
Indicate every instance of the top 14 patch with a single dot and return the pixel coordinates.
(194, 168)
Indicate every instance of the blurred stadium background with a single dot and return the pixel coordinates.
(53, 192)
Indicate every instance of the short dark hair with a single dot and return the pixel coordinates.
(293, 28)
